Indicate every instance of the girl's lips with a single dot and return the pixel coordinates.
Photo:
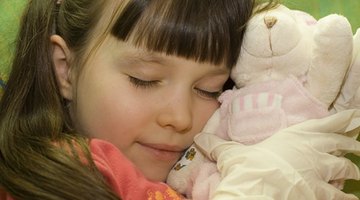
(163, 152)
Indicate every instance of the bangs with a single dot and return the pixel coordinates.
(201, 30)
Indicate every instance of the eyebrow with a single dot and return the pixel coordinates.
(143, 56)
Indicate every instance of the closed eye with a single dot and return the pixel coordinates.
(207, 94)
(139, 83)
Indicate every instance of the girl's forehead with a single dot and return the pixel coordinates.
(183, 31)
(137, 54)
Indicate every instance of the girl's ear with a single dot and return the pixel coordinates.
(61, 57)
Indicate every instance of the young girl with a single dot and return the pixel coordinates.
(104, 96)
(143, 75)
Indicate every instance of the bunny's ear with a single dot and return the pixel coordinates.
(349, 96)
(331, 57)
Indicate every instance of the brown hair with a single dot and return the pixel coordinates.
(34, 121)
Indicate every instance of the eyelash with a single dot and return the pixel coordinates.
(138, 83)
(141, 83)
(211, 95)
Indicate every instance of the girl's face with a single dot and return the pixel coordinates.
(149, 105)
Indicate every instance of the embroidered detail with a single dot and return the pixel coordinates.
(169, 194)
(188, 156)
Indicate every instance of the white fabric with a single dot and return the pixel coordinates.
(304, 161)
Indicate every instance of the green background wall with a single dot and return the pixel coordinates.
(321, 8)
(10, 13)
(9, 19)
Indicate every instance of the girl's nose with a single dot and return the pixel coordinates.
(177, 114)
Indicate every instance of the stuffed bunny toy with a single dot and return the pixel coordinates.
(290, 69)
